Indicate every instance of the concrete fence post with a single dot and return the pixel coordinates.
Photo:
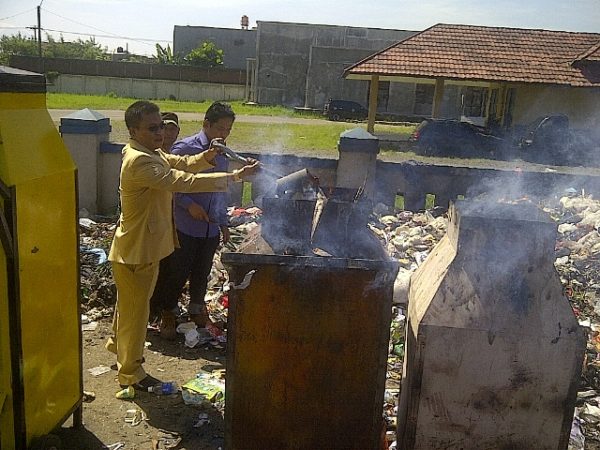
(82, 133)
(357, 162)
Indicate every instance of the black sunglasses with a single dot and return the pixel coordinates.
(155, 128)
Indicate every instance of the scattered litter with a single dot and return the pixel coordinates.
(246, 281)
(587, 394)
(86, 223)
(576, 438)
(134, 417)
(586, 323)
(193, 334)
(164, 388)
(216, 333)
(95, 314)
(165, 440)
(115, 446)
(85, 319)
(590, 413)
(193, 398)
(91, 326)
(192, 338)
(99, 253)
(89, 396)
(99, 370)
(202, 420)
(204, 389)
(408, 238)
(184, 327)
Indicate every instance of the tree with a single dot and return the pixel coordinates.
(23, 46)
(17, 45)
(78, 49)
(207, 55)
(164, 55)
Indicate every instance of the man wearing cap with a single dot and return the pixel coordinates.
(201, 221)
(171, 132)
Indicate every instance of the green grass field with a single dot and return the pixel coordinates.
(272, 138)
(318, 139)
(74, 101)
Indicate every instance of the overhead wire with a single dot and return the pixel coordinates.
(18, 14)
(107, 33)
(111, 36)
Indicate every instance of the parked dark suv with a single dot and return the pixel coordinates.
(344, 109)
(448, 137)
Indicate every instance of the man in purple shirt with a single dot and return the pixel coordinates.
(200, 220)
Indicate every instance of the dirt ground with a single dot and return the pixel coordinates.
(167, 417)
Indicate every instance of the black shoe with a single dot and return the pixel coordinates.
(144, 384)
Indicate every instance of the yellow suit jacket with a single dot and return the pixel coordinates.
(145, 231)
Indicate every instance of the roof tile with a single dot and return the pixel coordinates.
(490, 54)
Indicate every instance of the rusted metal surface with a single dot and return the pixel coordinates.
(493, 351)
(307, 350)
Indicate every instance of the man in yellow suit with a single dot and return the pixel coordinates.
(145, 232)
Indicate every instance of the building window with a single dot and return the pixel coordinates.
(473, 101)
(383, 95)
(424, 99)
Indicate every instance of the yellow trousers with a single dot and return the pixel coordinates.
(135, 284)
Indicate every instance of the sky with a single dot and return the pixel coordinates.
(139, 25)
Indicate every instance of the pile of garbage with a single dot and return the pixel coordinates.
(578, 264)
(408, 237)
(98, 291)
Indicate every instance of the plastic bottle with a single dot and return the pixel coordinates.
(164, 388)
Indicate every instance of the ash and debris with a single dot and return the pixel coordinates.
(408, 237)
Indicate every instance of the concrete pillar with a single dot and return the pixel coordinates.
(82, 132)
(438, 96)
(357, 161)
(109, 171)
(373, 93)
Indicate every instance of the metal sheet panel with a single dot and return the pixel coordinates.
(6, 399)
(307, 351)
(509, 393)
(32, 148)
(40, 350)
(48, 251)
(493, 349)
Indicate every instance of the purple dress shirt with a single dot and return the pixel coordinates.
(214, 203)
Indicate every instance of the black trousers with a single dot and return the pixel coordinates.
(193, 261)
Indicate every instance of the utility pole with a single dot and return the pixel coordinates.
(39, 28)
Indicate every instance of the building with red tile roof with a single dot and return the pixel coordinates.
(519, 73)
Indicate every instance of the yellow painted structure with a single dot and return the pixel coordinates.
(581, 105)
(40, 332)
(373, 91)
